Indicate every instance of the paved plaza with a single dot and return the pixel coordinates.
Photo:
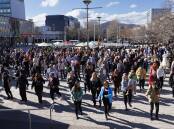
(64, 117)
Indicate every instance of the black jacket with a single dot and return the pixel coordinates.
(22, 82)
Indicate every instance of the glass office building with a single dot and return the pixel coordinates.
(13, 30)
(12, 8)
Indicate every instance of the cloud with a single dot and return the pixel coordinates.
(111, 4)
(49, 3)
(39, 20)
(128, 18)
(133, 6)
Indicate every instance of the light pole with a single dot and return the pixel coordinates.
(94, 32)
(87, 2)
(99, 28)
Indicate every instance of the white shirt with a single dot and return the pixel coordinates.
(160, 73)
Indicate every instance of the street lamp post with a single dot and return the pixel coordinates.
(87, 2)
(99, 33)
(94, 32)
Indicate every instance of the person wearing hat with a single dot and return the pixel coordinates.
(77, 94)
(106, 96)
(153, 95)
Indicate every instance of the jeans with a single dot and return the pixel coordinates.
(23, 93)
(107, 105)
(127, 97)
(94, 93)
(8, 92)
(141, 83)
(78, 107)
(62, 73)
(160, 82)
(173, 91)
(53, 91)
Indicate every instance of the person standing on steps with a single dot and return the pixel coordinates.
(153, 95)
(77, 95)
(106, 96)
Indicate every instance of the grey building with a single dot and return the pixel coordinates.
(157, 13)
(13, 30)
(12, 8)
(60, 23)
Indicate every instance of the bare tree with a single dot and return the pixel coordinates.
(162, 29)
(112, 30)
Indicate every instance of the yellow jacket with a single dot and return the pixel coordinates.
(141, 73)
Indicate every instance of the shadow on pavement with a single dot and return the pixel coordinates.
(19, 120)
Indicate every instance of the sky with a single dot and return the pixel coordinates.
(125, 11)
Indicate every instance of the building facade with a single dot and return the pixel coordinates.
(60, 23)
(12, 8)
(13, 30)
(157, 13)
(45, 34)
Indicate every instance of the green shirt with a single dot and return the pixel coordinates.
(77, 95)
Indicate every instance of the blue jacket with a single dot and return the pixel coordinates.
(109, 94)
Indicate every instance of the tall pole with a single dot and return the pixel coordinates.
(87, 8)
(94, 32)
(99, 33)
(87, 2)
(65, 34)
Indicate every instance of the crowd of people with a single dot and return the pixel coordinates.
(98, 69)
